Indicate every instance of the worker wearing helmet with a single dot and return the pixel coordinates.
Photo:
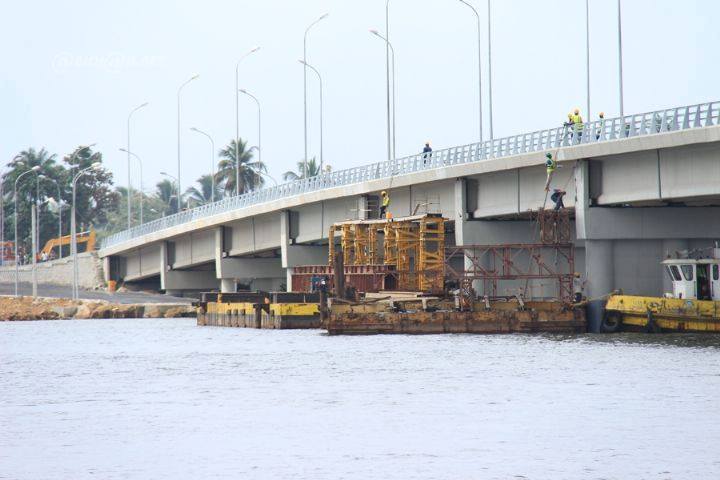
(550, 166)
(601, 125)
(577, 123)
(384, 203)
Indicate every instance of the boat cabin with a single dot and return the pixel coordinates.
(694, 279)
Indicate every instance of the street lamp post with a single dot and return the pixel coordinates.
(305, 158)
(15, 202)
(388, 49)
(490, 103)
(587, 57)
(73, 228)
(212, 160)
(259, 121)
(321, 109)
(479, 32)
(179, 205)
(142, 194)
(128, 150)
(59, 202)
(391, 136)
(237, 120)
(620, 59)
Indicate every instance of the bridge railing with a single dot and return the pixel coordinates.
(602, 130)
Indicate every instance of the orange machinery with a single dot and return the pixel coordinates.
(87, 238)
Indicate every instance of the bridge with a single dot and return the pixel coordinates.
(640, 186)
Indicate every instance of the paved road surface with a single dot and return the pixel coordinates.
(57, 291)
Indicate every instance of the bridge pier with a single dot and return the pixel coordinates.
(292, 255)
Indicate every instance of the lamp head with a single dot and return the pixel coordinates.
(323, 16)
(254, 49)
(96, 166)
(35, 168)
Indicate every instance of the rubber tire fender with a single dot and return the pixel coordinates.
(612, 322)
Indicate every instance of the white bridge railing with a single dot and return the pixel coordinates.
(650, 123)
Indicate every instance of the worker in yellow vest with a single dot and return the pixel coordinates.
(577, 123)
(384, 203)
(550, 166)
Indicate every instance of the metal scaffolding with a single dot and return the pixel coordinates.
(412, 249)
(484, 267)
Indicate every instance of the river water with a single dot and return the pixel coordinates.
(164, 399)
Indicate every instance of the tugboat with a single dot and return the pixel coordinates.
(693, 305)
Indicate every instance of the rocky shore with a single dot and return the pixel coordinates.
(43, 308)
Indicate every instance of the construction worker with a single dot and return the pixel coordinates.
(601, 125)
(550, 166)
(427, 152)
(577, 123)
(384, 204)
(557, 198)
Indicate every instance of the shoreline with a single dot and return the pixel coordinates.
(24, 308)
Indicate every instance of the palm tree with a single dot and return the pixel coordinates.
(313, 170)
(21, 163)
(165, 192)
(250, 171)
(202, 194)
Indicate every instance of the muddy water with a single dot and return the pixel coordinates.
(164, 399)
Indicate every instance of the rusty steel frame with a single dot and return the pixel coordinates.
(491, 264)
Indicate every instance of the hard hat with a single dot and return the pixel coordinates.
(577, 110)
(383, 192)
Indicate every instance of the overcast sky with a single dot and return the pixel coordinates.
(73, 70)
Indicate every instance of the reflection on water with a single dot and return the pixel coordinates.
(164, 399)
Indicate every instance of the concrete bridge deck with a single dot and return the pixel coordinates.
(640, 186)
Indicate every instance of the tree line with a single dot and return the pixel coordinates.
(102, 205)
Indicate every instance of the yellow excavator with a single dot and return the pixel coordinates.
(87, 238)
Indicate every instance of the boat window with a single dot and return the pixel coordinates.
(674, 273)
(716, 272)
(688, 272)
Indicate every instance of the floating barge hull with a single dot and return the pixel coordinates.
(279, 311)
(655, 314)
(536, 317)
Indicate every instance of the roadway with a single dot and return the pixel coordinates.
(58, 291)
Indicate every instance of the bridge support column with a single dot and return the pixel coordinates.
(228, 285)
(175, 282)
(296, 255)
(600, 272)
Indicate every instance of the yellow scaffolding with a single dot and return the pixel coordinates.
(389, 243)
(432, 253)
(413, 246)
(408, 247)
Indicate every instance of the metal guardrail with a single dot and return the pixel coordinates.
(660, 121)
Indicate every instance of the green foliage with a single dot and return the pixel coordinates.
(313, 170)
(250, 171)
(50, 188)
